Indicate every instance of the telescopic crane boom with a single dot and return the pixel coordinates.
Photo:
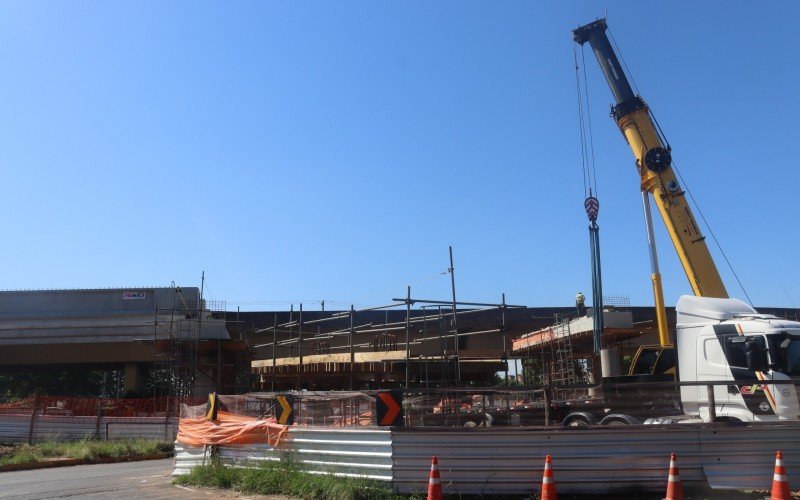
(654, 163)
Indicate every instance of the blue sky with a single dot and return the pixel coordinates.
(300, 151)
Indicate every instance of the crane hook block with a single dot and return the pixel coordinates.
(592, 206)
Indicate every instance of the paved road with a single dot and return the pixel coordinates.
(130, 480)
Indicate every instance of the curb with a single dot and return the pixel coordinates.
(67, 462)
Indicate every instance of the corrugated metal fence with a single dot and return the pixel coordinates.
(38, 428)
(342, 452)
(594, 460)
(187, 457)
(509, 460)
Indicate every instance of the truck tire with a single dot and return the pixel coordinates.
(580, 419)
(619, 419)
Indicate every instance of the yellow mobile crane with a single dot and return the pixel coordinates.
(749, 345)
(654, 164)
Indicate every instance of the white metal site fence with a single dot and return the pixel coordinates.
(509, 460)
(38, 428)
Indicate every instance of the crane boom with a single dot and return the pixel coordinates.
(654, 164)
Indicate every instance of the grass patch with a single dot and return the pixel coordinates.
(286, 478)
(86, 450)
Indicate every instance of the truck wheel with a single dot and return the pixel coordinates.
(576, 421)
(619, 419)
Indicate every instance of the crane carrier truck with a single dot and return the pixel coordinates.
(717, 339)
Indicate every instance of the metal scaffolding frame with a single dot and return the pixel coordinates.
(179, 357)
(419, 328)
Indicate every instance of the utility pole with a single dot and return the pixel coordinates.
(274, 338)
(408, 328)
(300, 350)
(350, 339)
(505, 334)
(452, 272)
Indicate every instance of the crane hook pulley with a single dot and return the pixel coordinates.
(592, 206)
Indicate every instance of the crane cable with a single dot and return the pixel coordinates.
(581, 124)
(585, 128)
(683, 182)
(589, 123)
(627, 70)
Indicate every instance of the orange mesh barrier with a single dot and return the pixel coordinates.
(230, 429)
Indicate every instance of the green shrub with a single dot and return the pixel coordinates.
(86, 449)
(286, 478)
(24, 454)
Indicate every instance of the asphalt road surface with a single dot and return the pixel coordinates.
(129, 480)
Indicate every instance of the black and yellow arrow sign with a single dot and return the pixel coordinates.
(283, 409)
(389, 407)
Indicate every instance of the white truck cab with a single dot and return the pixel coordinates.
(725, 339)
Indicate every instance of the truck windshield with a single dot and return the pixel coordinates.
(788, 358)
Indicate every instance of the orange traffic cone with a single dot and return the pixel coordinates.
(548, 482)
(434, 481)
(780, 485)
(674, 486)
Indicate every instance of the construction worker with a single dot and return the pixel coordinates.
(580, 304)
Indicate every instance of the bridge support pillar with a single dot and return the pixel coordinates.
(134, 378)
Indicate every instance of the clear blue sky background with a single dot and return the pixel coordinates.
(300, 151)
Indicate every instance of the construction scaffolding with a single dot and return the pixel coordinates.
(434, 345)
(175, 340)
(561, 365)
(562, 354)
(189, 359)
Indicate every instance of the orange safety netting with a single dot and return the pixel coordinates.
(230, 429)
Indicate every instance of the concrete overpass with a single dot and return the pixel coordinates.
(119, 326)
